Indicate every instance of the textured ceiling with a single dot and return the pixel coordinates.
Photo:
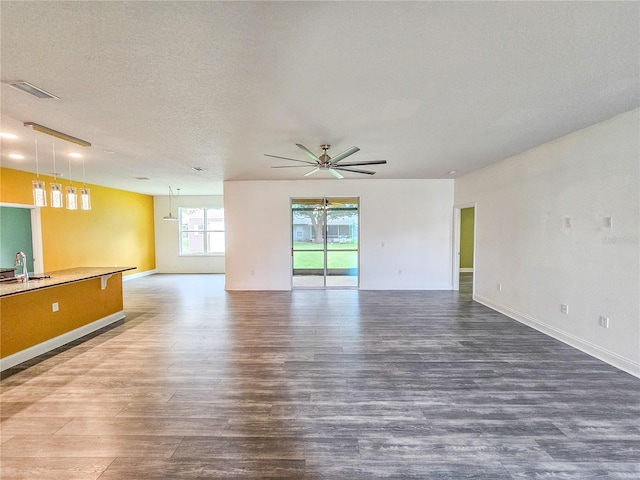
(429, 86)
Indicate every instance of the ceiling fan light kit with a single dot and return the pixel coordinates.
(325, 162)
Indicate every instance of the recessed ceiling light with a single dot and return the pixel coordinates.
(16, 156)
(452, 172)
(199, 169)
(31, 89)
(8, 135)
(108, 151)
(75, 155)
(141, 178)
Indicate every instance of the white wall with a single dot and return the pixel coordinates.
(168, 259)
(411, 218)
(524, 242)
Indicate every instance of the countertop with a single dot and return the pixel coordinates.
(58, 277)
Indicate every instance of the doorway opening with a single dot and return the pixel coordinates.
(464, 248)
(21, 230)
(325, 242)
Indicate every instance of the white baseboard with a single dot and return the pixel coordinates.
(189, 271)
(612, 358)
(466, 270)
(126, 278)
(44, 347)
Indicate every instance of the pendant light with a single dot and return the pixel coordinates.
(85, 193)
(72, 196)
(57, 199)
(85, 198)
(170, 217)
(39, 192)
(57, 194)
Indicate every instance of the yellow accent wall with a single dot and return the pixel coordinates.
(466, 237)
(119, 230)
(27, 319)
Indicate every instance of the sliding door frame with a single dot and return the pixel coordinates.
(324, 203)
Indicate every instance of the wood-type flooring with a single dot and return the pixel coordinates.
(198, 383)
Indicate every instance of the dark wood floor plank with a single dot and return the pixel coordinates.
(198, 383)
(574, 470)
(204, 469)
(89, 445)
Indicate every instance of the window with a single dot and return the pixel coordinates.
(201, 231)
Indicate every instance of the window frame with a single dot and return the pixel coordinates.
(200, 230)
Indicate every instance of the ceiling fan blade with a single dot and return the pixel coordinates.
(353, 170)
(311, 172)
(290, 166)
(308, 152)
(291, 159)
(344, 154)
(372, 162)
(335, 174)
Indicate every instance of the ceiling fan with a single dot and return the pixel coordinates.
(325, 162)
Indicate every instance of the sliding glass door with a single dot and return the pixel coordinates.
(324, 242)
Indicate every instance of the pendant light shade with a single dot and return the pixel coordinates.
(57, 200)
(72, 198)
(39, 194)
(85, 199)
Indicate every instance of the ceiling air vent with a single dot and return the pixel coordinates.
(26, 87)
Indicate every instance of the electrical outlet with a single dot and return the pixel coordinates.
(499, 287)
(566, 222)
(564, 309)
(604, 321)
(608, 222)
(55, 307)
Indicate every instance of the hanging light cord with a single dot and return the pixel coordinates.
(37, 168)
(55, 174)
(70, 182)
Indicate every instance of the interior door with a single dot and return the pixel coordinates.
(324, 242)
(15, 236)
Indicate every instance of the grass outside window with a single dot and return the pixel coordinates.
(308, 255)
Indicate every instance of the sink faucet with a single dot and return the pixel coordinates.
(21, 260)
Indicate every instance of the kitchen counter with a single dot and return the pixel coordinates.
(59, 277)
(38, 316)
